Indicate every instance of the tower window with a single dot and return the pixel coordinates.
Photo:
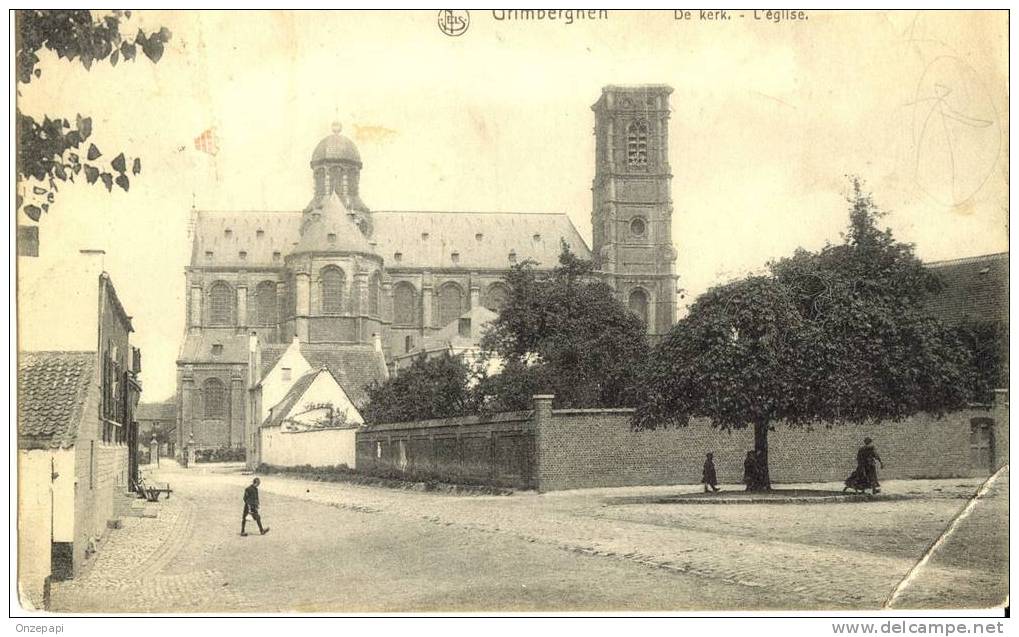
(424, 236)
(455, 257)
(513, 256)
(333, 283)
(479, 236)
(408, 343)
(638, 227)
(332, 237)
(636, 144)
(228, 233)
(214, 395)
(398, 257)
(242, 255)
(405, 308)
(536, 238)
(285, 373)
(217, 349)
(260, 233)
(276, 257)
(221, 304)
(208, 254)
(638, 304)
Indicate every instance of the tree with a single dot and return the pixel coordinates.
(436, 387)
(564, 334)
(840, 336)
(54, 150)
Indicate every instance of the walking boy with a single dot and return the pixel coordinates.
(251, 506)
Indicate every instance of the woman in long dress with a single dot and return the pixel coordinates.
(865, 475)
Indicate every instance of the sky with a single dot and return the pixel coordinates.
(767, 121)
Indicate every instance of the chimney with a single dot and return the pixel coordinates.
(254, 360)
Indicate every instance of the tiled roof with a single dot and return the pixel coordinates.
(166, 410)
(353, 366)
(976, 289)
(53, 389)
(449, 336)
(280, 233)
(198, 344)
(482, 240)
(283, 407)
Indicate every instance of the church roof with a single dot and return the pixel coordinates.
(481, 240)
(353, 366)
(976, 289)
(198, 346)
(53, 389)
(331, 229)
(336, 147)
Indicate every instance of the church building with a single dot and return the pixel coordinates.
(358, 287)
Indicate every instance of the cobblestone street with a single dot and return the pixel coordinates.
(338, 547)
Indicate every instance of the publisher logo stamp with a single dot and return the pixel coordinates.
(454, 22)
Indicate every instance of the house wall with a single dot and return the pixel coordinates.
(317, 447)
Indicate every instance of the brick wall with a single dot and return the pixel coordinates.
(496, 449)
(596, 448)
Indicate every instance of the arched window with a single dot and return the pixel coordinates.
(496, 296)
(638, 304)
(636, 143)
(451, 299)
(333, 283)
(374, 293)
(405, 298)
(221, 304)
(266, 303)
(214, 396)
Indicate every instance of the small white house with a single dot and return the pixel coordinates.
(313, 424)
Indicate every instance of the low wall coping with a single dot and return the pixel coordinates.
(312, 431)
(609, 410)
(454, 421)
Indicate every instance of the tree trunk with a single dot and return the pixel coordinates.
(761, 449)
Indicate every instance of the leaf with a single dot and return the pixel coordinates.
(39, 191)
(93, 152)
(153, 49)
(128, 50)
(33, 212)
(107, 181)
(123, 182)
(84, 125)
(91, 174)
(137, 167)
(114, 58)
(118, 163)
(37, 72)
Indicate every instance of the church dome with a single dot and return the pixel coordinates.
(336, 147)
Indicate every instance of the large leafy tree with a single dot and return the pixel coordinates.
(839, 335)
(56, 149)
(564, 334)
(436, 387)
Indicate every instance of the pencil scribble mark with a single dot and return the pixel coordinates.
(956, 137)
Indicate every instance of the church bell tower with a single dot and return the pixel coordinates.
(631, 216)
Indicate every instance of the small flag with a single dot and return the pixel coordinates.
(206, 142)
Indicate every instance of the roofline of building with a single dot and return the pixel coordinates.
(429, 212)
(995, 256)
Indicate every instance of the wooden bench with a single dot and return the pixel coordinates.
(151, 492)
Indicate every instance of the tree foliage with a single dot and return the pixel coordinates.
(54, 149)
(839, 335)
(437, 387)
(564, 334)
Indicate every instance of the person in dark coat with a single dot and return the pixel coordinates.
(708, 477)
(750, 472)
(865, 475)
(251, 507)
